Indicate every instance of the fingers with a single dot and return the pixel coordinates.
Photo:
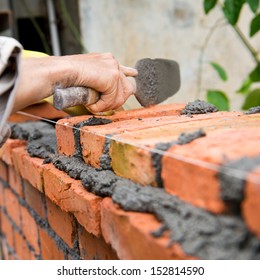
(128, 71)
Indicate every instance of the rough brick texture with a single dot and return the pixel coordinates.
(144, 184)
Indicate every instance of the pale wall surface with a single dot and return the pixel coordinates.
(175, 29)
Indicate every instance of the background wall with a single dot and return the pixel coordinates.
(175, 29)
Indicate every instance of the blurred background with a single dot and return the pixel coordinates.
(183, 30)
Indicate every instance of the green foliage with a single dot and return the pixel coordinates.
(252, 99)
(255, 25)
(220, 70)
(231, 11)
(209, 5)
(219, 99)
(253, 4)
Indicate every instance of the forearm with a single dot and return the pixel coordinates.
(38, 78)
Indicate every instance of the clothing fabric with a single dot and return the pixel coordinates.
(10, 56)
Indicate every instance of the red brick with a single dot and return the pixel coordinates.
(65, 137)
(42, 110)
(7, 229)
(12, 206)
(70, 196)
(21, 248)
(61, 222)
(30, 168)
(5, 251)
(190, 171)
(94, 248)
(30, 229)
(6, 150)
(49, 248)
(3, 171)
(131, 151)
(34, 198)
(251, 205)
(15, 181)
(129, 233)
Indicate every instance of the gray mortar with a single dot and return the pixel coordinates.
(184, 138)
(199, 107)
(105, 159)
(253, 110)
(232, 187)
(41, 138)
(89, 122)
(199, 232)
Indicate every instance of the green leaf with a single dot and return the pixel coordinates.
(255, 74)
(255, 25)
(231, 9)
(253, 4)
(219, 99)
(209, 5)
(245, 87)
(252, 100)
(220, 70)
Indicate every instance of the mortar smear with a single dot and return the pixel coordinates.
(199, 107)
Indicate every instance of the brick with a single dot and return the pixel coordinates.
(129, 151)
(12, 206)
(190, 171)
(65, 137)
(70, 196)
(7, 230)
(21, 248)
(35, 199)
(49, 250)
(129, 233)
(3, 171)
(251, 205)
(30, 229)
(61, 222)
(5, 251)
(30, 169)
(15, 181)
(6, 149)
(40, 110)
(94, 248)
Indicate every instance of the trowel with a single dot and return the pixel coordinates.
(157, 80)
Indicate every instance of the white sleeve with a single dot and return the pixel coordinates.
(10, 55)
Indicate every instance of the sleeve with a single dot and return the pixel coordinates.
(10, 55)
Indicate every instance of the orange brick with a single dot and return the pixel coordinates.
(190, 171)
(21, 247)
(70, 196)
(49, 248)
(30, 168)
(34, 198)
(30, 229)
(61, 222)
(129, 233)
(12, 206)
(94, 248)
(42, 110)
(3, 171)
(131, 151)
(6, 150)
(251, 205)
(15, 181)
(65, 137)
(7, 230)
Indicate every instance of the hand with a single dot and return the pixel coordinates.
(103, 73)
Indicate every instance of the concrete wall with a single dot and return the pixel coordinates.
(175, 29)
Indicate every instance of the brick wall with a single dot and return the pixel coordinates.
(143, 184)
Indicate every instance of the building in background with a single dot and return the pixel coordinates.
(133, 29)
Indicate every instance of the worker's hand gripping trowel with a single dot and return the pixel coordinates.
(157, 80)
